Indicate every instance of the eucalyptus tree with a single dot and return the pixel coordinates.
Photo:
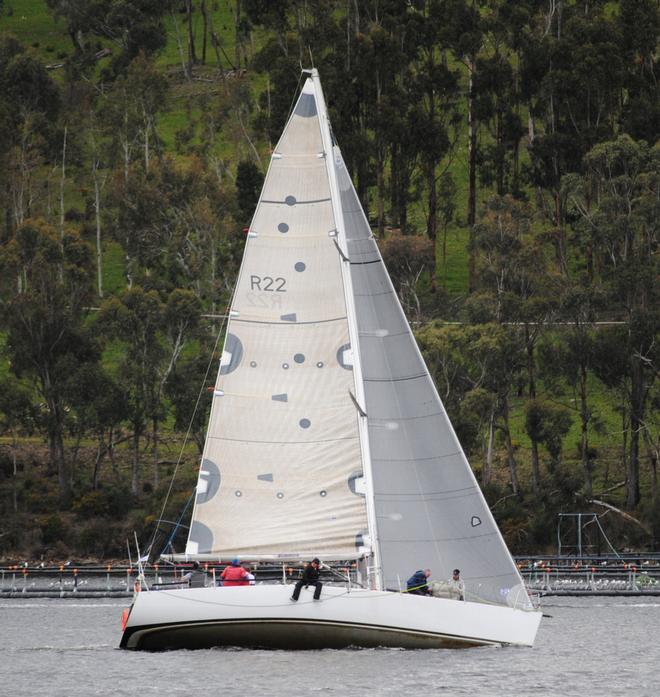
(146, 220)
(447, 190)
(567, 357)
(546, 423)
(500, 356)
(618, 205)
(379, 62)
(460, 374)
(497, 97)
(189, 396)
(154, 333)
(99, 408)
(407, 257)
(638, 22)
(516, 285)
(29, 107)
(128, 112)
(438, 117)
(131, 26)
(463, 35)
(136, 318)
(476, 368)
(572, 75)
(18, 415)
(177, 228)
(47, 340)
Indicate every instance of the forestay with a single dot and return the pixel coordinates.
(281, 473)
(430, 511)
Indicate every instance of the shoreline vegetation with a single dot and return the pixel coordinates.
(506, 153)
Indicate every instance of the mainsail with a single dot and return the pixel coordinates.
(288, 460)
(281, 473)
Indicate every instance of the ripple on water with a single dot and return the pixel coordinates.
(61, 648)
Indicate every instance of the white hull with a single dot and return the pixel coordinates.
(264, 616)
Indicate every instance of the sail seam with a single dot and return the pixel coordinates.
(443, 539)
(406, 418)
(432, 493)
(371, 333)
(435, 540)
(297, 203)
(417, 459)
(283, 442)
(289, 324)
(401, 379)
(435, 496)
(373, 295)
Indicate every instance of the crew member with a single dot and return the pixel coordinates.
(418, 582)
(310, 577)
(235, 575)
(457, 585)
(196, 578)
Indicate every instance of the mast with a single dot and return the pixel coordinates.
(353, 327)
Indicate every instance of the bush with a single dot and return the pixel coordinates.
(40, 494)
(113, 501)
(73, 215)
(53, 529)
(60, 551)
(97, 538)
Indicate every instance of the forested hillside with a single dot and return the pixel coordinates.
(506, 152)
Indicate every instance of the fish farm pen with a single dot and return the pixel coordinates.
(604, 575)
(568, 575)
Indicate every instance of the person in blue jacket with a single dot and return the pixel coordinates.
(418, 582)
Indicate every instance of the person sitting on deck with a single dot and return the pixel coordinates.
(196, 578)
(235, 575)
(418, 582)
(310, 577)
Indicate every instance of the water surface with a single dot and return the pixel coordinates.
(589, 647)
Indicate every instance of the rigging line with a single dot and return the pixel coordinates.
(335, 572)
(600, 527)
(202, 389)
(177, 525)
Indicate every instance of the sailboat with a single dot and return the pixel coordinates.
(327, 438)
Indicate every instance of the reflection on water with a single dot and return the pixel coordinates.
(590, 646)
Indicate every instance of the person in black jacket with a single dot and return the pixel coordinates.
(310, 577)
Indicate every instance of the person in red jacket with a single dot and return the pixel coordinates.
(235, 575)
